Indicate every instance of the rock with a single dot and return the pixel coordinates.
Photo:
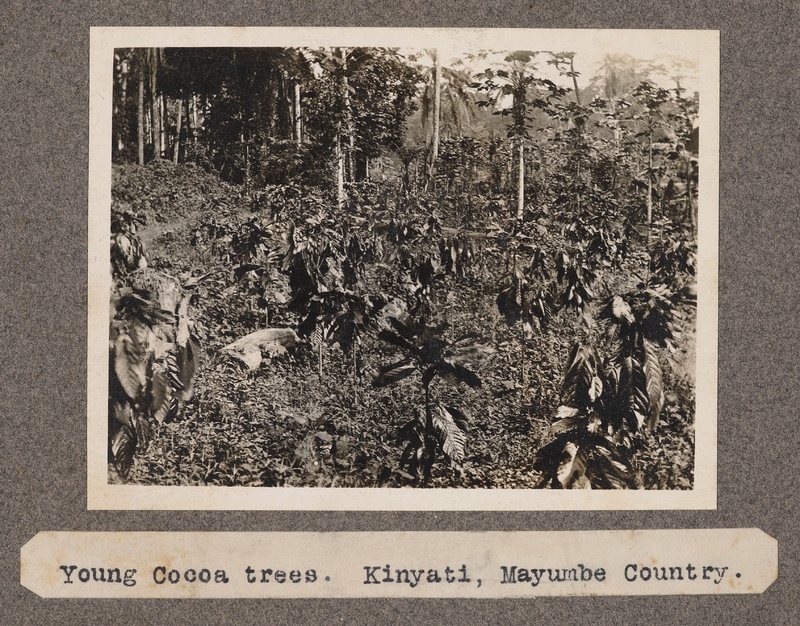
(250, 348)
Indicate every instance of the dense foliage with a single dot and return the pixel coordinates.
(304, 295)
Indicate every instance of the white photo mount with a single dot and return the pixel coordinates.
(701, 45)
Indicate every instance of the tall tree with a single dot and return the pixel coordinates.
(444, 104)
(617, 76)
(331, 94)
(297, 115)
(345, 130)
(516, 81)
(380, 92)
(648, 100)
(683, 119)
(176, 146)
(437, 112)
(565, 63)
(121, 126)
(241, 87)
(140, 113)
(156, 131)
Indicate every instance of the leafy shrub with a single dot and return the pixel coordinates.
(127, 251)
(428, 353)
(606, 404)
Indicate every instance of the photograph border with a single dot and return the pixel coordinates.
(105, 496)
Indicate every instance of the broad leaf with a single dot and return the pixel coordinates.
(130, 366)
(395, 339)
(188, 361)
(451, 438)
(428, 375)
(343, 331)
(412, 432)
(608, 471)
(120, 410)
(467, 347)
(390, 374)
(143, 429)
(122, 446)
(406, 331)
(618, 311)
(159, 394)
(240, 271)
(565, 412)
(453, 372)
(508, 304)
(461, 419)
(565, 425)
(595, 389)
(632, 402)
(159, 346)
(579, 387)
(573, 464)
(655, 383)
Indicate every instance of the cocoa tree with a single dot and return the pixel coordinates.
(429, 354)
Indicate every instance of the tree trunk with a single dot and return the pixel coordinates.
(164, 124)
(348, 116)
(320, 354)
(298, 119)
(189, 127)
(140, 118)
(355, 373)
(194, 119)
(343, 128)
(339, 171)
(274, 105)
(521, 182)
(176, 147)
(244, 123)
(523, 371)
(689, 201)
(247, 168)
(123, 128)
(155, 117)
(360, 167)
(285, 106)
(649, 180)
(520, 298)
(437, 114)
(574, 80)
(430, 437)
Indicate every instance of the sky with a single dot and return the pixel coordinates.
(589, 46)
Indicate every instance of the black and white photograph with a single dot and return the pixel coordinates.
(403, 269)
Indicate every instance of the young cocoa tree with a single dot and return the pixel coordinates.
(152, 362)
(607, 405)
(525, 293)
(430, 355)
